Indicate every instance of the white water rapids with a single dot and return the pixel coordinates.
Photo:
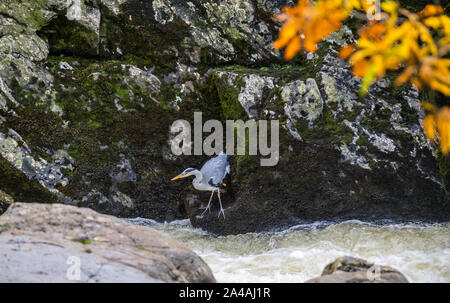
(420, 251)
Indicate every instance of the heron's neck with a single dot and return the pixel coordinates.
(198, 178)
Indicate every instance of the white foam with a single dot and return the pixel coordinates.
(420, 251)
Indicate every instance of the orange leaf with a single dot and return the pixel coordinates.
(293, 48)
(431, 10)
(417, 83)
(405, 75)
(346, 51)
(287, 32)
(360, 68)
(310, 45)
(429, 125)
(443, 127)
(373, 31)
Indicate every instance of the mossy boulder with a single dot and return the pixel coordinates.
(341, 157)
(89, 90)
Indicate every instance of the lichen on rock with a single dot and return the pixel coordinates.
(89, 91)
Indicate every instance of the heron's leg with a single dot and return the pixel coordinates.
(208, 207)
(220, 202)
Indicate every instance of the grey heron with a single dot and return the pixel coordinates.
(209, 177)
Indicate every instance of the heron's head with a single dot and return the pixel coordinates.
(186, 173)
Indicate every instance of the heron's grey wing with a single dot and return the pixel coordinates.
(214, 170)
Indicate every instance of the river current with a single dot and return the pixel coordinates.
(420, 251)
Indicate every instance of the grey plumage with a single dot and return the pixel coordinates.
(209, 177)
(215, 170)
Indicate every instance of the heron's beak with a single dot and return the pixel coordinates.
(178, 177)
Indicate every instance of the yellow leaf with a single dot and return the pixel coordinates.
(434, 22)
(429, 125)
(428, 106)
(389, 6)
(368, 79)
(445, 20)
(436, 85)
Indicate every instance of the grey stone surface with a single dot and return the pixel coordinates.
(46, 243)
(354, 270)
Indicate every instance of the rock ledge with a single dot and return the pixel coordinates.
(46, 243)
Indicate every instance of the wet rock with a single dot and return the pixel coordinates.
(210, 32)
(5, 201)
(18, 186)
(74, 27)
(353, 270)
(46, 243)
(87, 103)
(17, 152)
(89, 18)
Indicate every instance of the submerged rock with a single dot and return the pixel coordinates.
(5, 201)
(353, 270)
(61, 243)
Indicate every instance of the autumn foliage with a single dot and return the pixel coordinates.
(416, 45)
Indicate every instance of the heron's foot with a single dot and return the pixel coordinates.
(203, 207)
(207, 208)
(221, 211)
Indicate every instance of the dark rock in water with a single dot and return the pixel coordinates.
(5, 201)
(353, 270)
(46, 243)
(89, 92)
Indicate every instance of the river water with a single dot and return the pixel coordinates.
(420, 251)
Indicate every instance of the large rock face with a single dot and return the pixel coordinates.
(46, 243)
(353, 270)
(89, 90)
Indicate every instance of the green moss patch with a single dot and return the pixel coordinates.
(84, 241)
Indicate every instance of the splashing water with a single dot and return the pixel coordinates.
(420, 251)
